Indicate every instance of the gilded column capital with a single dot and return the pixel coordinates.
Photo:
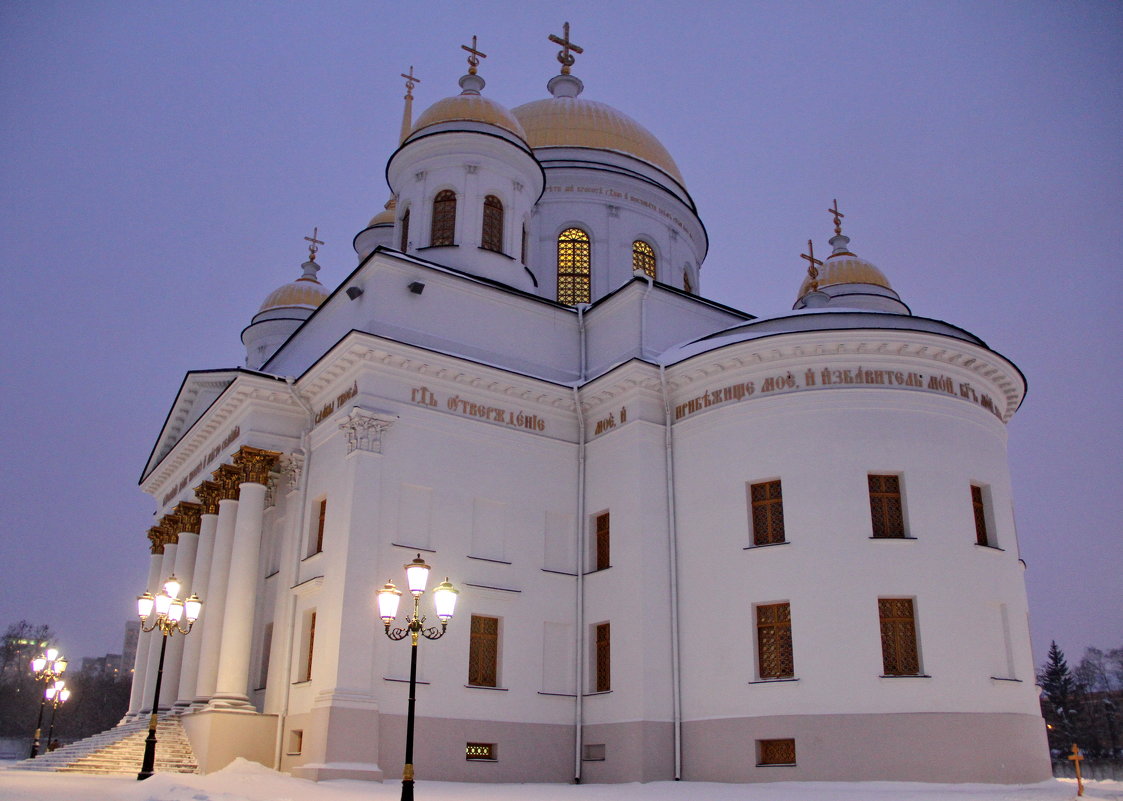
(188, 514)
(156, 538)
(208, 494)
(255, 464)
(228, 478)
(364, 430)
(170, 526)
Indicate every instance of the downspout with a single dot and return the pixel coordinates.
(579, 566)
(306, 470)
(643, 308)
(672, 537)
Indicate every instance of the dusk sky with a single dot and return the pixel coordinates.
(162, 163)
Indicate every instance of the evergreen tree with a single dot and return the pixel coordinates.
(1058, 700)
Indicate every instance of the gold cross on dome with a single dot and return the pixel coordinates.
(474, 56)
(411, 81)
(313, 242)
(838, 215)
(564, 56)
(812, 266)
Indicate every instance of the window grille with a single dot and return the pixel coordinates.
(604, 658)
(444, 218)
(981, 535)
(899, 652)
(492, 238)
(404, 241)
(776, 752)
(602, 541)
(643, 257)
(480, 751)
(885, 506)
(774, 641)
(573, 266)
(483, 652)
(768, 512)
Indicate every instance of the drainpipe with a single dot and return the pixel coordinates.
(306, 470)
(643, 308)
(672, 537)
(579, 566)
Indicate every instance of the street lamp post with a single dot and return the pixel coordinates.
(56, 694)
(47, 668)
(169, 612)
(444, 599)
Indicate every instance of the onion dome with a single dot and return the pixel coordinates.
(565, 120)
(305, 292)
(386, 216)
(843, 267)
(469, 106)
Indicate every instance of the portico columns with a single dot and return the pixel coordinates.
(226, 479)
(144, 639)
(170, 539)
(185, 521)
(232, 689)
(207, 493)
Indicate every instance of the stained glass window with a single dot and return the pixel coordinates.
(573, 266)
(444, 218)
(774, 641)
(899, 653)
(643, 257)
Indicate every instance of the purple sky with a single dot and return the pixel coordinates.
(162, 162)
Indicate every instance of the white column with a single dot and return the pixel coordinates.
(215, 602)
(144, 640)
(167, 567)
(232, 689)
(187, 518)
(192, 648)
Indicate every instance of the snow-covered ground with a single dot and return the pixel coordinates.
(248, 781)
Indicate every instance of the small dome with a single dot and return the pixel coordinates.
(846, 268)
(305, 292)
(566, 120)
(386, 216)
(469, 106)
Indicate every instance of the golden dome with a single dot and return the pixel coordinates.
(386, 215)
(575, 122)
(846, 268)
(469, 108)
(306, 292)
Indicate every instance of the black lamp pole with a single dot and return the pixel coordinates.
(148, 765)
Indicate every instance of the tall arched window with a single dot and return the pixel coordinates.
(573, 266)
(686, 285)
(444, 218)
(643, 257)
(492, 238)
(404, 241)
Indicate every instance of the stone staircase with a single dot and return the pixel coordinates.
(119, 751)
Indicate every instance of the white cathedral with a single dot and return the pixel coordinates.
(689, 542)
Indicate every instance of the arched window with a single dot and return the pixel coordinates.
(444, 218)
(492, 238)
(404, 242)
(643, 257)
(686, 281)
(573, 266)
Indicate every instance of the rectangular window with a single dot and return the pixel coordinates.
(774, 641)
(899, 653)
(308, 645)
(978, 504)
(316, 532)
(602, 560)
(296, 741)
(767, 506)
(603, 656)
(266, 645)
(483, 652)
(480, 752)
(775, 752)
(885, 506)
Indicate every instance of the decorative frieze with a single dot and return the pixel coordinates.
(364, 430)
